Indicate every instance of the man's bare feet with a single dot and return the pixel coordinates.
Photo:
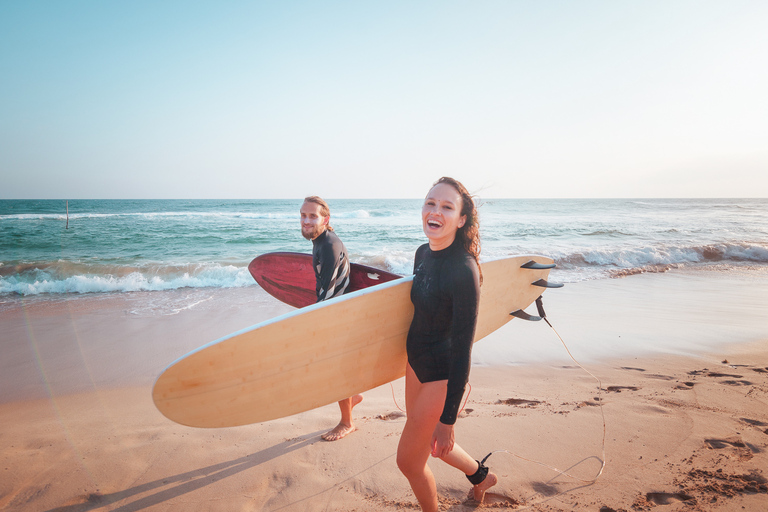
(344, 428)
(479, 490)
(337, 433)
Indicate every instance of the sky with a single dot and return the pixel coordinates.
(365, 99)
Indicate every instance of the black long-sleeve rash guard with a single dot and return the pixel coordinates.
(445, 296)
(331, 264)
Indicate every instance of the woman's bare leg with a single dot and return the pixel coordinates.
(424, 405)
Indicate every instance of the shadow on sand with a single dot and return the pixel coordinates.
(178, 485)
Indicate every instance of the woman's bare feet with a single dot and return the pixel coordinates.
(479, 489)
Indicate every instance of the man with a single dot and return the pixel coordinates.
(329, 258)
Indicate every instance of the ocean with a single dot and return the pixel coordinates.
(123, 246)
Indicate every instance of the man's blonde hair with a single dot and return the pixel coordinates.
(325, 211)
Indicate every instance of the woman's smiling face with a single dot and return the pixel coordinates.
(441, 216)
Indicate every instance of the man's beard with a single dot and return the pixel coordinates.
(313, 233)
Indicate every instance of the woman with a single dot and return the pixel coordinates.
(445, 295)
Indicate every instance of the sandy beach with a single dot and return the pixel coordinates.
(681, 420)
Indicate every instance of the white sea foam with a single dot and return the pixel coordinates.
(629, 257)
(62, 277)
(397, 262)
(45, 283)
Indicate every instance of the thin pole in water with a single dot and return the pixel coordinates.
(67, 215)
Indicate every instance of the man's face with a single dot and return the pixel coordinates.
(312, 221)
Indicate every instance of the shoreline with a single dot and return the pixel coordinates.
(684, 428)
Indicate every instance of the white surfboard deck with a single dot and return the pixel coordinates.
(322, 353)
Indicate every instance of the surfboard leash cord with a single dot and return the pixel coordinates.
(543, 316)
(392, 387)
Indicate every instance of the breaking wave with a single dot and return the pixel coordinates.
(62, 277)
(58, 278)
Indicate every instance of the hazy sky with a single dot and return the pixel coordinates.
(377, 99)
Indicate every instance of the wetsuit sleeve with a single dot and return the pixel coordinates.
(331, 275)
(466, 299)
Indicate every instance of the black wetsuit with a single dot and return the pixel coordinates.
(329, 259)
(445, 296)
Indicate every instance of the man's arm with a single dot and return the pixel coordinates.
(333, 273)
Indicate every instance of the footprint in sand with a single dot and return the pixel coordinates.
(754, 423)
(667, 498)
(491, 500)
(721, 484)
(650, 376)
(734, 380)
(660, 377)
(617, 389)
(719, 444)
(391, 416)
(744, 451)
(737, 382)
(520, 401)
(709, 373)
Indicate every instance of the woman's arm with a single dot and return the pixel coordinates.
(465, 291)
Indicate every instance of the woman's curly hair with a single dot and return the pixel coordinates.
(469, 233)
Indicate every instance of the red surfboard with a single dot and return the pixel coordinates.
(289, 277)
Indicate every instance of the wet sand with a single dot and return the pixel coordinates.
(681, 421)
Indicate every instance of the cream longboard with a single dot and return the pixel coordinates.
(325, 352)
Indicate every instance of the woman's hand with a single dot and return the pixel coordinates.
(442, 440)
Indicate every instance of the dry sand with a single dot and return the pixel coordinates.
(80, 432)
